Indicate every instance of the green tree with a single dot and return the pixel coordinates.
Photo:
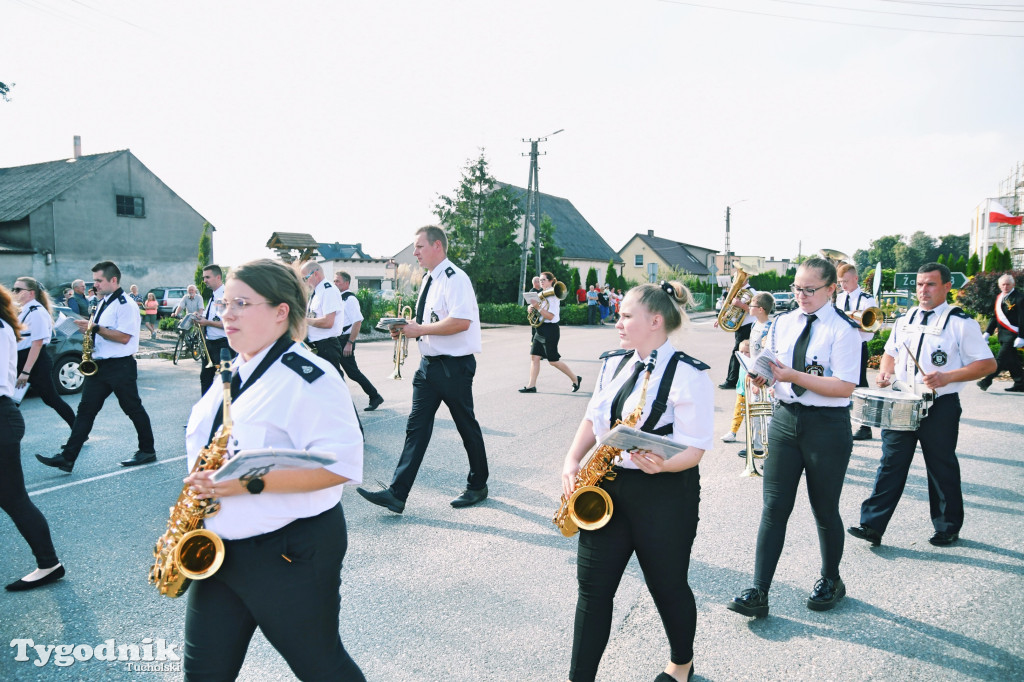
(205, 257)
(611, 276)
(941, 260)
(922, 249)
(1007, 260)
(993, 259)
(551, 253)
(954, 245)
(961, 265)
(5, 91)
(574, 283)
(481, 220)
(591, 278)
(973, 265)
(978, 296)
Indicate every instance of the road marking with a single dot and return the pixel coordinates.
(126, 470)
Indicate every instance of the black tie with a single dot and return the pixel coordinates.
(800, 351)
(627, 388)
(846, 306)
(924, 323)
(422, 305)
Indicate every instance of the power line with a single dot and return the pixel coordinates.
(898, 14)
(962, 5)
(841, 23)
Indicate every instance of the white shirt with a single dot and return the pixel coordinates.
(834, 347)
(36, 324)
(959, 344)
(353, 313)
(451, 295)
(8, 360)
(281, 410)
(759, 336)
(691, 400)
(858, 300)
(122, 314)
(325, 300)
(214, 333)
(554, 307)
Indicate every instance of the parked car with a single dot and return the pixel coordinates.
(895, 304)
(784, 301)
(66, 352)
(168, 298)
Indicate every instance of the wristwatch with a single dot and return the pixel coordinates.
(254, 484)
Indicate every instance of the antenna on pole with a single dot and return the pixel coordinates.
(532, 209)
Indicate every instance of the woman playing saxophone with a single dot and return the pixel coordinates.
(284, 531)
(655, 500)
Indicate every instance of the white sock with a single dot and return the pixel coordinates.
(39, 574)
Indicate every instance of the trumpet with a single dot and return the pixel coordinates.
(869, 319)
(401, 341)
(88, 366)
(533, 316)
(762, 410)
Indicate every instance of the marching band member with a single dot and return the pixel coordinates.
(284, 532)
(14, 499)
(115, 327)
(34, 364)
(655, 500)
(447, 331)
(545, 339)
(1009, 320)
(818, 354)
(352, 322)
(212, 326)
(850, 300)
(324, 315)
(948, 346)
(741, 334)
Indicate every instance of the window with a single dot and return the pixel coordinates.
(638, 260)
(133, 207)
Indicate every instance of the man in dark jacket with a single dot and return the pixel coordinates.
(78, 303)
(1009, 314)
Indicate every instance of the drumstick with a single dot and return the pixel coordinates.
(919, 367)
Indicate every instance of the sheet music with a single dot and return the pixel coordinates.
(65, 325)
(761, 366)
(531, 297)
(628, 438)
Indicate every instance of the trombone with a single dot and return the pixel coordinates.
(401, 341)
(202, 341)
(761, 410)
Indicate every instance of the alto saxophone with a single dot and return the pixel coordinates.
(187, 551)
(589, 507)
(88, 366)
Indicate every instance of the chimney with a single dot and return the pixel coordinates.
(78, 146)
(650, 233)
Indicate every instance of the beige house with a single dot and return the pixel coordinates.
(645, 256)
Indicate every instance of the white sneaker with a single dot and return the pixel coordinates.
(729, 437)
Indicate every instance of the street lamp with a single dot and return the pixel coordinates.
(391, 268)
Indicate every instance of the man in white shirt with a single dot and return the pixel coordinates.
(213, 327)
(351, 324)
(850, 300)
(324, 315)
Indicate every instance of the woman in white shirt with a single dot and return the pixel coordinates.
(14, 499)
(284, 532)
(655, 500)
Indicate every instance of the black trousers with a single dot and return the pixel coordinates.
(937, 435)
(330, 350)
(206, 374)
(120, 377)
(739, 336)
(655, 516)
(863, 383)
(41, 380)
(294, 602)
(348, 364)
(449, 380)
(592, 313)
(14, 499)
(817, 442)
(1008, 359)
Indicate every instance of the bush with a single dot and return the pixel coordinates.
(978, 297)
(513, 313)
(167, 323)
(877, 345)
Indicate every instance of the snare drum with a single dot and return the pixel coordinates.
(887, 409)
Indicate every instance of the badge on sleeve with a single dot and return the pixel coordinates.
(434, 317)
(301, 366)
(450, 271)
(939, 357)
(814, 368)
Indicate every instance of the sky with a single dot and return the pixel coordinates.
(820, 127)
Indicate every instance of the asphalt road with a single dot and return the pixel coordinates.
(488, 593)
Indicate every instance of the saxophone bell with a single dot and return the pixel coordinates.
(88, 366)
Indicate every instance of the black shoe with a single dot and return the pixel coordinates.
(826, 594)
(757, 453)
(865, 533)
(941, 539)
(753, 603)
(374, 404)
(576, 386)
(863, 433)
(383, 498)
(1014, 389)
(528, 389)
(727, 386)
(51, 577)
(470, 497)
(984, 384)
(58, 462)
(665, 677)
(140, 457)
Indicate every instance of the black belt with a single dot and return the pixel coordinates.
(442, 358)
(122, 358)
(803, 408)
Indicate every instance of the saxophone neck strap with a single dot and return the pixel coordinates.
(276, 351)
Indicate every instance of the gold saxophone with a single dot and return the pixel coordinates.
(88, 366)
(589, 507)
(187, 551)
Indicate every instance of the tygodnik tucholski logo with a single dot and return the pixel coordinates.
(151, 655)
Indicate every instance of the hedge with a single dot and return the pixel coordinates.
(513, 313)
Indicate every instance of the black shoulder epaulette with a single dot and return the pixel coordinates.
(327, 285)
(958, 312)
(346, 294)
(301, 366)
(612, 353)
(692, 361)
(1, 324)
(843, 316)
(122, 300)
(450, 271)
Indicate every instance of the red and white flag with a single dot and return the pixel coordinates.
(997, 213)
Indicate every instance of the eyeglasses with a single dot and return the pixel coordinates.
(311, 273)
(236, 305)
(18, 290)
(805, 292)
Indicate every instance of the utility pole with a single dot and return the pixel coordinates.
(728, 256)
(532, 208)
